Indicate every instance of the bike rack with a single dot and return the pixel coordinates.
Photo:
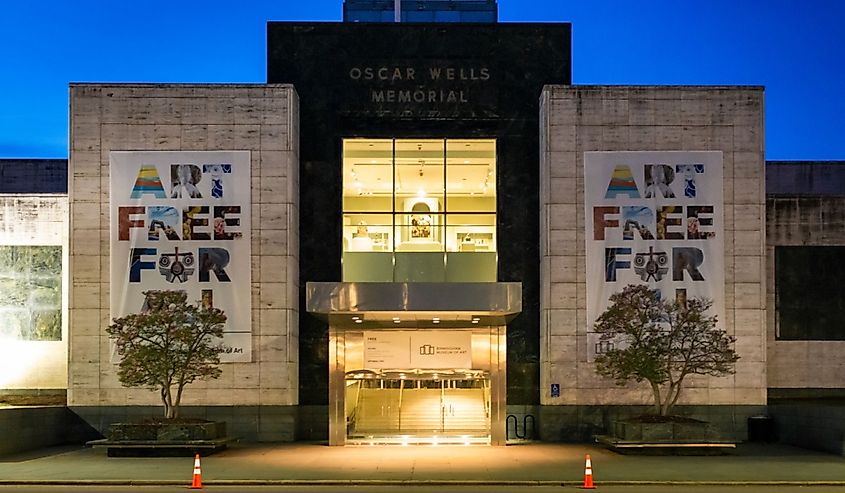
(525, 420)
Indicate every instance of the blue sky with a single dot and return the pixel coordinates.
(795, 48)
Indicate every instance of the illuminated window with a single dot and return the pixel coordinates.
(419, 210)
(31, 293)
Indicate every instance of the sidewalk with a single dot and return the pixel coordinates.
(527, 464)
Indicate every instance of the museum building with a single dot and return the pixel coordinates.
(412, 228)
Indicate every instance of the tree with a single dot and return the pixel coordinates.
(662, 342)
(170, 343)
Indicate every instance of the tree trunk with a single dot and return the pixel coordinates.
(655, 388)
(178, 401)
(666, 405)
(166, 398)
(672, 394)
(671, 403)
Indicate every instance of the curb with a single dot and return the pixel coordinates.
(409, 482)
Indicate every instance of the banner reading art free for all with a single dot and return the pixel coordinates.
(653, 218)
(181, 221)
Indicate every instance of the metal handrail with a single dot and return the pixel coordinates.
(401, 393)
(442, 406)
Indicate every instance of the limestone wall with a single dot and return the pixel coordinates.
(262, 119)
(815, 220)
(619, 118)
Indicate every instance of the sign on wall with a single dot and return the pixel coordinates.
(653, 218)
(420, 88)
(181, 221)
(425, 349)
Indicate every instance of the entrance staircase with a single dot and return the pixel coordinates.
(421, 411)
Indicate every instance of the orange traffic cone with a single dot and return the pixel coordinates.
(588, 475)
(196, 484)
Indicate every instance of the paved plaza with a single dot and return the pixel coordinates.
(526, 464)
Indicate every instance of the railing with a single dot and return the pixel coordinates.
(407, 410)
(401, 392)
(442, 405)
(485, 391)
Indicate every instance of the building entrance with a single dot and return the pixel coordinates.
(418, 406)
(416, 363)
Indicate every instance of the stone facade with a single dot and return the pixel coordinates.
(586, 118)
(805, 207)
(262, 119)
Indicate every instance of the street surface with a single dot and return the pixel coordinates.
(426, 489)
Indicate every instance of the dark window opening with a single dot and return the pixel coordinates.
(810, 293)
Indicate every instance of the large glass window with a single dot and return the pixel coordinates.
(31, 293)
(419, 210)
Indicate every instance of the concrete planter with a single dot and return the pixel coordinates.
(663, 432)
(167, 432)
(164, 439)
(681, 437)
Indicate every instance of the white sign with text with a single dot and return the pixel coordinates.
(424, 349)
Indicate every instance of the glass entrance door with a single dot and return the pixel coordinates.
(406, 385)
(418, 407)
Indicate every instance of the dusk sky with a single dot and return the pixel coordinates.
(795, 48)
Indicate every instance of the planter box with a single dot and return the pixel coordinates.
(164, 439)
(687, 437)
(663, 432)
(167, 432)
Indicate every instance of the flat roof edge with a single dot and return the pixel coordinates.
(599, 87)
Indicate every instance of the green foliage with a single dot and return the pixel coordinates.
(170, 343)
(661, 342)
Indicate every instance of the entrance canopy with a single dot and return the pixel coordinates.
(395, 305)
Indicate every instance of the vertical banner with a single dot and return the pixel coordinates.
(653, 218)
(181, 221)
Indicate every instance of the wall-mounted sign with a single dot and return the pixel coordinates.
(423, 349)
(420, 87)
(387, 349)
(441, 349)
(181, 221)
(653, 218)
